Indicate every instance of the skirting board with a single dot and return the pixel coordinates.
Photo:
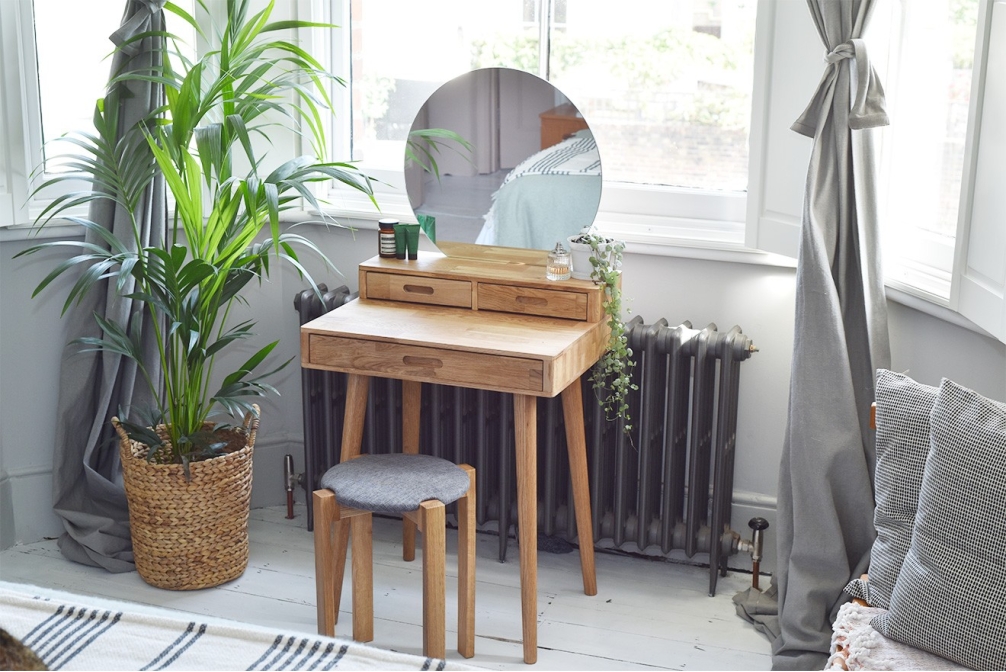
(7, 535)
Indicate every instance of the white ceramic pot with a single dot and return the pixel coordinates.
(579, 258)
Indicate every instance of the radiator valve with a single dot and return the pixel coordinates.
(754, 547)
(291, 480)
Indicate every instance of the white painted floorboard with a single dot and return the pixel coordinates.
(646, 614)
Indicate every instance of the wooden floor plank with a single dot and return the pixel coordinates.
(646, 615)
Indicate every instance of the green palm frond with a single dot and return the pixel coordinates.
(206, 140)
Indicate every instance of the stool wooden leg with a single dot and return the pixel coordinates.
(363, 577)
(466, 568)
(327, 580)
(341, 538)
(411, 403)
(433, 523)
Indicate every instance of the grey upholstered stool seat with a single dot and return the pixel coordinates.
(396, 482)
(418, 487)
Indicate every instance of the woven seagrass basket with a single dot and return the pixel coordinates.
(190, 534)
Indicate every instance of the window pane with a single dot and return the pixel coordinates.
(71, 38)
(930, 103)
(403, 50)
(666, 86)
(928, 88)
(74, 62)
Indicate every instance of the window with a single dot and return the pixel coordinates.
(69, 86)
(55, 59)
(928, 80)
(665, 86)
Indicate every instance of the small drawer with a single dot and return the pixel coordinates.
(531, 301)
(437, 365)
(418, 289)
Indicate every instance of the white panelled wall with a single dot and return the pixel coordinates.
(759, 297)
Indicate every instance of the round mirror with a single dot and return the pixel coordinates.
(501, 157)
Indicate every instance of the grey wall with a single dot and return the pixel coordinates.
(758, 298)
(31, 339)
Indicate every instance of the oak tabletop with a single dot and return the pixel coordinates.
(481, 349)
(456, 328)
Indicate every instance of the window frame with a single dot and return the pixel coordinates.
(20, 115)
(24, 166)
(927, 270)
(972, 295)
(22, 129)
(646, 216)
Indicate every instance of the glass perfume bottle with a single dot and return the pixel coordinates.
(558, 267)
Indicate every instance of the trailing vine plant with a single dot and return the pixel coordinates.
(612, 374)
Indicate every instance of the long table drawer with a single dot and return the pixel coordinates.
(413, 362)
(419, 289)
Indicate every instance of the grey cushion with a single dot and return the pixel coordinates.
(949, 597)
(903, 408)
(395, 483)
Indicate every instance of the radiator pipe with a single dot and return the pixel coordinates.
(754, 547)
(290, 479)
(758, 526)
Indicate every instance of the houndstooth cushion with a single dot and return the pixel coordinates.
(951, 594)
(903, 408)
(395, 483)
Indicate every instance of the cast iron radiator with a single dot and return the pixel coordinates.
(670, 487)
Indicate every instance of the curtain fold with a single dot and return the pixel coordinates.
(825, 518)
(88, 494)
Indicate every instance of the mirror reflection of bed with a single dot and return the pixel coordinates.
(533, 177)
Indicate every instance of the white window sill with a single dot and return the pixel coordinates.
(692, 238)
(932, 306)
(57, 228)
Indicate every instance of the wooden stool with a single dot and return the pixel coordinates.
(417, 487)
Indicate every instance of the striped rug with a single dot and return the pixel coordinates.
(72, 632)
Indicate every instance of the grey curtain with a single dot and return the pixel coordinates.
(87, 478)
(825, 527)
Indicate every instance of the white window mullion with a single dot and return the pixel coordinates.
(788, 67)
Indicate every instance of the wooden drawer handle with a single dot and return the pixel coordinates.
(532, 300)
(428, 362)
(418, 289)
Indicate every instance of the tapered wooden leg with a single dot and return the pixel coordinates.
(525, 415)
(411, 403)
(356, 409)
(363, 578)
(327, 580)
(466, 568)
(434, 526)
(572, 408)
(352, 437)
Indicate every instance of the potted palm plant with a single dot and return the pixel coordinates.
(188, 474)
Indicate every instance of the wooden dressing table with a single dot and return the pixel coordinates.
(484, 325)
